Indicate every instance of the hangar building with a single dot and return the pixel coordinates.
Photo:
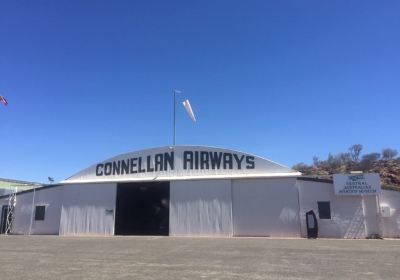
(197, 191)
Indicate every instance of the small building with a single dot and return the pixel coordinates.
(9, 185)
(199, 191)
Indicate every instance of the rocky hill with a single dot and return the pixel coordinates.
(387, 166)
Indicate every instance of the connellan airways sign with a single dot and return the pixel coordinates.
(357, 184)
(191, 160)
(181, 163)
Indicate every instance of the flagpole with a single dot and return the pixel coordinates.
(173, 143)
(174, 137)
(189, 110)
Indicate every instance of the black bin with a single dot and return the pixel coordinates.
(312, 224)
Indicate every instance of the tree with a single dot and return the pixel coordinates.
(389, 153)
(315, 160)
(367, 161)
(344, 158)
(355, 151)
(333, 162)
(303, 168)
(371, 157)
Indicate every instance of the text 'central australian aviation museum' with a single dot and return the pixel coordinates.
(203, 191)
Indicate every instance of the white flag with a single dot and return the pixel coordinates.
(189, 110)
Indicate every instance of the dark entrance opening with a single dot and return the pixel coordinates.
(4, 213)
(142, 208)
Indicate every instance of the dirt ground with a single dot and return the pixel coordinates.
(54, 257)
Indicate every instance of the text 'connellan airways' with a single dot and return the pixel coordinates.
(191, 160)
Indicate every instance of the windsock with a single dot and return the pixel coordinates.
(189, 110)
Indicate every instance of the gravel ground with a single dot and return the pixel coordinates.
(54, 257)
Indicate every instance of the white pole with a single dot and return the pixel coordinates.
(173, 142)
(174, 138)
(33, 203)
(378, 216)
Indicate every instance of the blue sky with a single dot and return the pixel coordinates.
(286, 80)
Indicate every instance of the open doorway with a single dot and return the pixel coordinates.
(4, 215)
(142, 208)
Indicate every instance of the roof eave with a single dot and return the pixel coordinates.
(179, 178)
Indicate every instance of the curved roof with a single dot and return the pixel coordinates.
(180, 163)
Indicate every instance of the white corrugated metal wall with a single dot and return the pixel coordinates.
(242, 207)
(351, 216)
(88, 209)
(391, 225)
(200, 208)
(24, 213)
(265, 207)
(239, 207)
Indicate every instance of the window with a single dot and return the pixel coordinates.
(39, 213)
(324, 209)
